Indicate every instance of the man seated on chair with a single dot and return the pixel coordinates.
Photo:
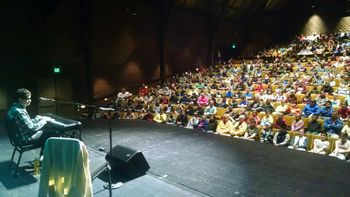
(299, 142)
(342, 147)
(281, 137)
(321, 145)
(225, 126)
(333, 126)
(27, 130)
(239, 127)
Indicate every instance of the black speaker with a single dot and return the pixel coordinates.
(127, 161)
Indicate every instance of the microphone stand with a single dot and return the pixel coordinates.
(117, 185)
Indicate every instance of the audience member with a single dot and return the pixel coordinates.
(251, 133)
(320, 146)
(327, 110)
(210, 109)
(346, 128)
(299, 142)
(160, 117)
(333, 126)
(314, 126)
(267, 135)
(342, 147)
(311, 109)
(298, 124)
(225, 126)
(281, 137)
(239, 127)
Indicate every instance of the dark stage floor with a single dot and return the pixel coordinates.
(191, 163)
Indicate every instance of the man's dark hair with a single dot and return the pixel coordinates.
(23, 93)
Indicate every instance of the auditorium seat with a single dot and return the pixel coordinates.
(300, 97)
(301, 106)
(220, 111)
(289, 120)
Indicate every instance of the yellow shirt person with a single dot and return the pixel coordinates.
(225, 127)
(160, 117)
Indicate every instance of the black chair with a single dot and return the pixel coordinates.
(19, 147)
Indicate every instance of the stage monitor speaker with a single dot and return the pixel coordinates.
(127, 161)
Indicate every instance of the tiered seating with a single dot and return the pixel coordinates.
(292, 73)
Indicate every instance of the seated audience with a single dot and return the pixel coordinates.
(190, 109)
(210, 109)
(267, 135)
(124, 94)
(203, 100)
(173, 98)
(311, 109)
(320, 146)
(244, 103)
(213, 123)
(279, 122)
(327, 110)
(160, 117)
(248, 95)
(281, 137)
(184, 99)
(129, 115)
(251, 133)
(193, 122)
(346, 128)
(225, 126)
(239, 127)
(282, 108)
(266, 120)
(143, 91)
(254, 118)
(232, 86)
(314, 126)
(203, 124)
(171, 120)
(333, 126)
(299, 142)
(342, 147)
(293, 109)
(267, 106)
(255, 105)
(181, 119)
(344, 111)
(321, 100)
(147, 116)
(335, 101)
(298, 124)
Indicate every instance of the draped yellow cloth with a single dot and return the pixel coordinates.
(65, 169)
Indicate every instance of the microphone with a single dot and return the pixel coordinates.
(46, 99)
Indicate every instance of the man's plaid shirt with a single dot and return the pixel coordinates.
(23, 126)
